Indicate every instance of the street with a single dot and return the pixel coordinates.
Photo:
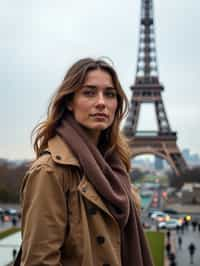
(182, 254)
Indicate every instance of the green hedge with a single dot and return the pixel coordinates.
(157, 246)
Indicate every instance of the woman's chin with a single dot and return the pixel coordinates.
(100, 127)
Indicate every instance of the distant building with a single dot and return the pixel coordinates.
(191, 193)
(159, 163)
(191, 159)
(186, 154)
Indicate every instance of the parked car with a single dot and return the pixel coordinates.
(151, 211)
(170, 224)
(170, 211)
(160, 216)
(10, 212)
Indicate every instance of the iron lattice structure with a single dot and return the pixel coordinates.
(148, 89)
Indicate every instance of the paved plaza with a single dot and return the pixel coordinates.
(188, 237)
(182, 253)
(6, 248)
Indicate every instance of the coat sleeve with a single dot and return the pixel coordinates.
(44, 217)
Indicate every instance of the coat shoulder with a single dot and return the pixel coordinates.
(66, 174)
(45, 159)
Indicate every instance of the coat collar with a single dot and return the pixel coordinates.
(60, 152)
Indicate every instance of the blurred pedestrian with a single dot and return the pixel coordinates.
(173, 263)
(168, 235)
(180, 242)
(157, 227)
(19, 215)
(186, 223)
(14, 221)
(191, 249)
(182, 228)
(168, 248)
(172, 258)
(194, 225)
(14, 253)
(178, 229)
(199, 227)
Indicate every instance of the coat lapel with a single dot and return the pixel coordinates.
(87, 191)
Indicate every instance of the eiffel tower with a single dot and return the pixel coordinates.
(148, 89)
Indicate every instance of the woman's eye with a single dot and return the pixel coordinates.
(89, 92)
(111, 94)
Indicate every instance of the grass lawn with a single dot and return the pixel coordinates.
(156, 242)
(9, 231)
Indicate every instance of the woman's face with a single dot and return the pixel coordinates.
(94, 105)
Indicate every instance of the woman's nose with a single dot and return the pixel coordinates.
(100, 100)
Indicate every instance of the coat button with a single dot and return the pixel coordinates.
(58, 157)
(100, 240)
(84, 189)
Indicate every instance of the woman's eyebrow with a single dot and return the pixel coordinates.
(110, 88)
(89, 86)
(95, 87)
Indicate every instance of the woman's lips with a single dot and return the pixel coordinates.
(100, 116)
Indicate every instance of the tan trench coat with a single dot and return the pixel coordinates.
(64, 221)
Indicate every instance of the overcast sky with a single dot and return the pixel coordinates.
(41, 38)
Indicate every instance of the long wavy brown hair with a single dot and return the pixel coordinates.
(73, 80)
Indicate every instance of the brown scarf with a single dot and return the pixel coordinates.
(110, 179)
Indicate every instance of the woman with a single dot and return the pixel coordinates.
(78, 208)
